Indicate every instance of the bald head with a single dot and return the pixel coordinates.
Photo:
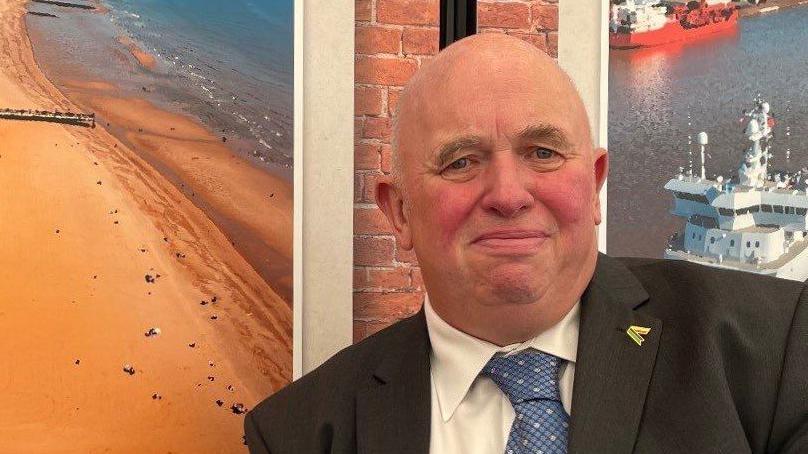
(463, 72)
(496, 187)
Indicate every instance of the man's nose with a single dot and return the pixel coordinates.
(507, 187)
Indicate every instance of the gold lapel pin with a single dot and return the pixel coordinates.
(636, 333)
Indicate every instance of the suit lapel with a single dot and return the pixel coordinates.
(393, 414)
(612, 372)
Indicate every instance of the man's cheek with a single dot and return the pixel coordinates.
(452, 208)
(569, 203)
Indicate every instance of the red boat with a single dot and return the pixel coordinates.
(646, 23)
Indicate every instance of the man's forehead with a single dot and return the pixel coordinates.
(495, 111)
(489, 86)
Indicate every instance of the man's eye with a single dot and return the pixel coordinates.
(544, 153)
(459, 164)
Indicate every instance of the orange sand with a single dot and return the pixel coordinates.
(145, 59)
(81, 294)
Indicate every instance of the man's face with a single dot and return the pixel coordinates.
(501, 188)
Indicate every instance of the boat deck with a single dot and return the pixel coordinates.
(764, 268)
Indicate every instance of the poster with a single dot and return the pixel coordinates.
(708, 125)
(145, 221)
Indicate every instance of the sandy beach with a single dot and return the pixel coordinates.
(104, 236)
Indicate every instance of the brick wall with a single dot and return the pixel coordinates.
(393, 39)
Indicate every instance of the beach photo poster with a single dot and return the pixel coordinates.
(146, 221)
(708, 133)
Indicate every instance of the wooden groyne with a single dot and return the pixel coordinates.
(37, 13)
(64, 4)
(76, 119)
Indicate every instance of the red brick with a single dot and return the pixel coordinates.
(386, 164)
(385, 279)
(552, 44)
(363, 10)
(408, 12)
(360, 276)
(359, 331)
(423, 60)
(385, 307)
(376, 40)
(392, 101)
(368, 101)
(374, 251)
(372, 328)
(369, 181)
(358, 127)
(545, 17)
(358, 189)
(406, 256)
(423, 41)
(366, 156)
(384, 71)
(377, 128)
(537, 39)
(503, 15)
(363, 329)
(370, 221)
(417, 279)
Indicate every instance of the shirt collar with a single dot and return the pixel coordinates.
(457, 358)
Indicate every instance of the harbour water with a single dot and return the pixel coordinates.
(227, 63)
(661, 98)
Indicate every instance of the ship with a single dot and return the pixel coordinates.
(755, 221)
(647, 23)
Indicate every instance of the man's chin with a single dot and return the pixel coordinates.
(514, 288)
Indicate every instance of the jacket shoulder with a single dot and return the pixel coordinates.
(328, 392)
(694, 292)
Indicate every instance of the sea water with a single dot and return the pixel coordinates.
(661, 98)
(228, 63)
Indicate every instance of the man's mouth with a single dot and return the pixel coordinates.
(511, 241)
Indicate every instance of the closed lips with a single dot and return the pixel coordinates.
(511, 235)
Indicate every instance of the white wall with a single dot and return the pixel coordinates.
(583, 51)
(324, 109)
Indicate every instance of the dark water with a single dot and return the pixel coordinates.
(229, 63)
(660, 96)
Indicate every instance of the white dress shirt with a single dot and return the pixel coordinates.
(470, 414)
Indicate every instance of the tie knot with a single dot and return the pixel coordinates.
(524, 376)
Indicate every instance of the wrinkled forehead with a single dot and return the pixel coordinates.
(493, 100)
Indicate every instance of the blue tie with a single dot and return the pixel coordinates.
(530, 380)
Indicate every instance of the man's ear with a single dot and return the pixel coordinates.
(391, 202)
(601, 169)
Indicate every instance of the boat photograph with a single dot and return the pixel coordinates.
(708, 134)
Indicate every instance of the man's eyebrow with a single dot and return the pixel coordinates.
(545, 133)
(448, 149)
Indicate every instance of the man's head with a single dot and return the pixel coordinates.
(495, 186)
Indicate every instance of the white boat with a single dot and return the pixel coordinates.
(756, 221)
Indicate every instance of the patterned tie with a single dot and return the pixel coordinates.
(530, 380)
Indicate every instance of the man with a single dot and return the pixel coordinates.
(529, 340)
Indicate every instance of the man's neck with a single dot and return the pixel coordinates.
(504, 324)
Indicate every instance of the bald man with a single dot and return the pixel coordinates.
(529, 341)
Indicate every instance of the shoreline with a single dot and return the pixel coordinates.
(265, 243)
(86, 218)
(145, 59)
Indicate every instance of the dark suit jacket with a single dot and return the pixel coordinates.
(724, 369)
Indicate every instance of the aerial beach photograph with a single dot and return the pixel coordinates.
(708, 133)
(145, 222)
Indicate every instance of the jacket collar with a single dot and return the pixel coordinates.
(611, 377)
(393, 414)
(613, 372)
